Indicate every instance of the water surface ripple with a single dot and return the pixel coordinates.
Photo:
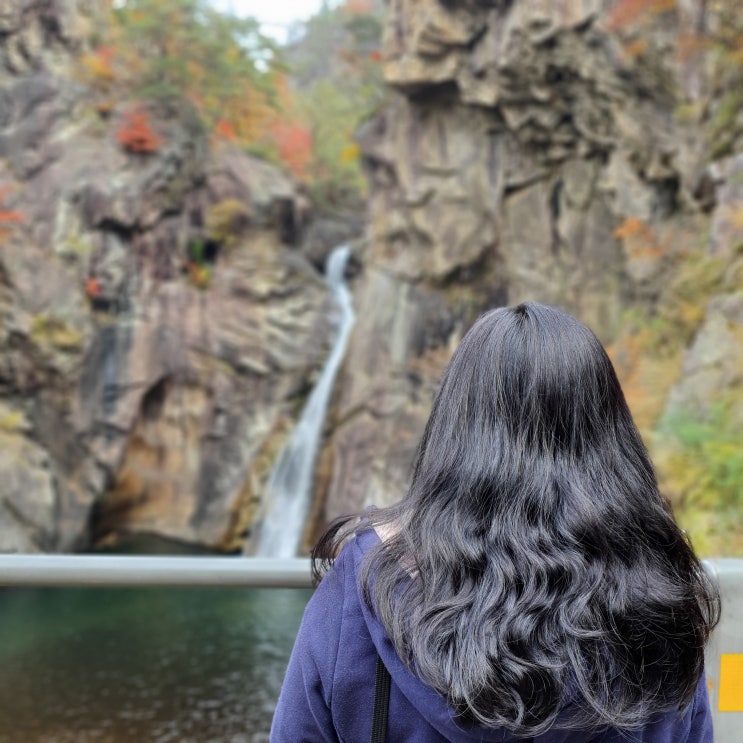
(163, 665)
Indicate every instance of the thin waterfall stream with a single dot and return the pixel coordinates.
(289, 487)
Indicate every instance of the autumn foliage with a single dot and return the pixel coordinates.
(92, 287)
(226, 130)
(723, 36)
(357, 6)
(295, 147)
(236, 80)
(99, 67)
(136, 135)
(643, 241)
(169, 50)
(199, 275)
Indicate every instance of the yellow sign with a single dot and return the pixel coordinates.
(731, 682)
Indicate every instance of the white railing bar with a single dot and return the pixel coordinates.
(119, 570)
(723, 566)
(146, 570)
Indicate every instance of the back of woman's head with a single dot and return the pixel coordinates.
(536, 575)
(524, 384)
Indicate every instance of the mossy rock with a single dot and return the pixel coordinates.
(78, 246)
(13, 421)
(50, 331)
(227, 221)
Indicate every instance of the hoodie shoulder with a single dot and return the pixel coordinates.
(304, 709)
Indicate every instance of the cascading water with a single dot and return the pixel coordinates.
(289, 486)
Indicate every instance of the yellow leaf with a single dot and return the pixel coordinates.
(350, 153)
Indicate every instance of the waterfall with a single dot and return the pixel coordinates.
(289, 487)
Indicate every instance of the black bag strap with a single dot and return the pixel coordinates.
(381, 703)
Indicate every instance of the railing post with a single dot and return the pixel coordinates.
(725, 653)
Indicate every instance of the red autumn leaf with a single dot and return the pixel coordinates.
(294, 143)
(225, 129)
(136, 135)
(92, 287)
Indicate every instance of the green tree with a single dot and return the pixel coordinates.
(703, 473)
(337, 72)
(186, 49)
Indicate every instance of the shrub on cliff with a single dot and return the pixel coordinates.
(703, 474)
(171, 49)
(718, 41)
(337, 65)
(136, 135)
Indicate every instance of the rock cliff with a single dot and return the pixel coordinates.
(535, 150)
(161, 328)
(158, 325)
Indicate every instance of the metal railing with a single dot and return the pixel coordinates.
(119, 570)
(724, 654)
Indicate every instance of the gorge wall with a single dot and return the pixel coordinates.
(537, 150)
(161, 325)
(142, 387)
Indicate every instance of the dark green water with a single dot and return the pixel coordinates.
(115, 665)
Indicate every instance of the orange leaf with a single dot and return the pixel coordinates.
(357, 6)
(136, 134)
(295, 147)
(690, 44)
(92, 287)
(106, 53)
(225, 129)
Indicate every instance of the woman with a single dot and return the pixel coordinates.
(531, 584)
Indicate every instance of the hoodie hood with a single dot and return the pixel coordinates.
(328, 690)
(429, 703)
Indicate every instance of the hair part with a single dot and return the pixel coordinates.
(536, 576)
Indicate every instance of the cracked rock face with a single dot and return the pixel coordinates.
(517, 138)
(131, 400)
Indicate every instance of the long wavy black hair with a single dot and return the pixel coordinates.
(534, 575)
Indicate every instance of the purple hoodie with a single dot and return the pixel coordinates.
(328, 691)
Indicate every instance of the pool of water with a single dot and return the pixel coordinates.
(119, 665)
